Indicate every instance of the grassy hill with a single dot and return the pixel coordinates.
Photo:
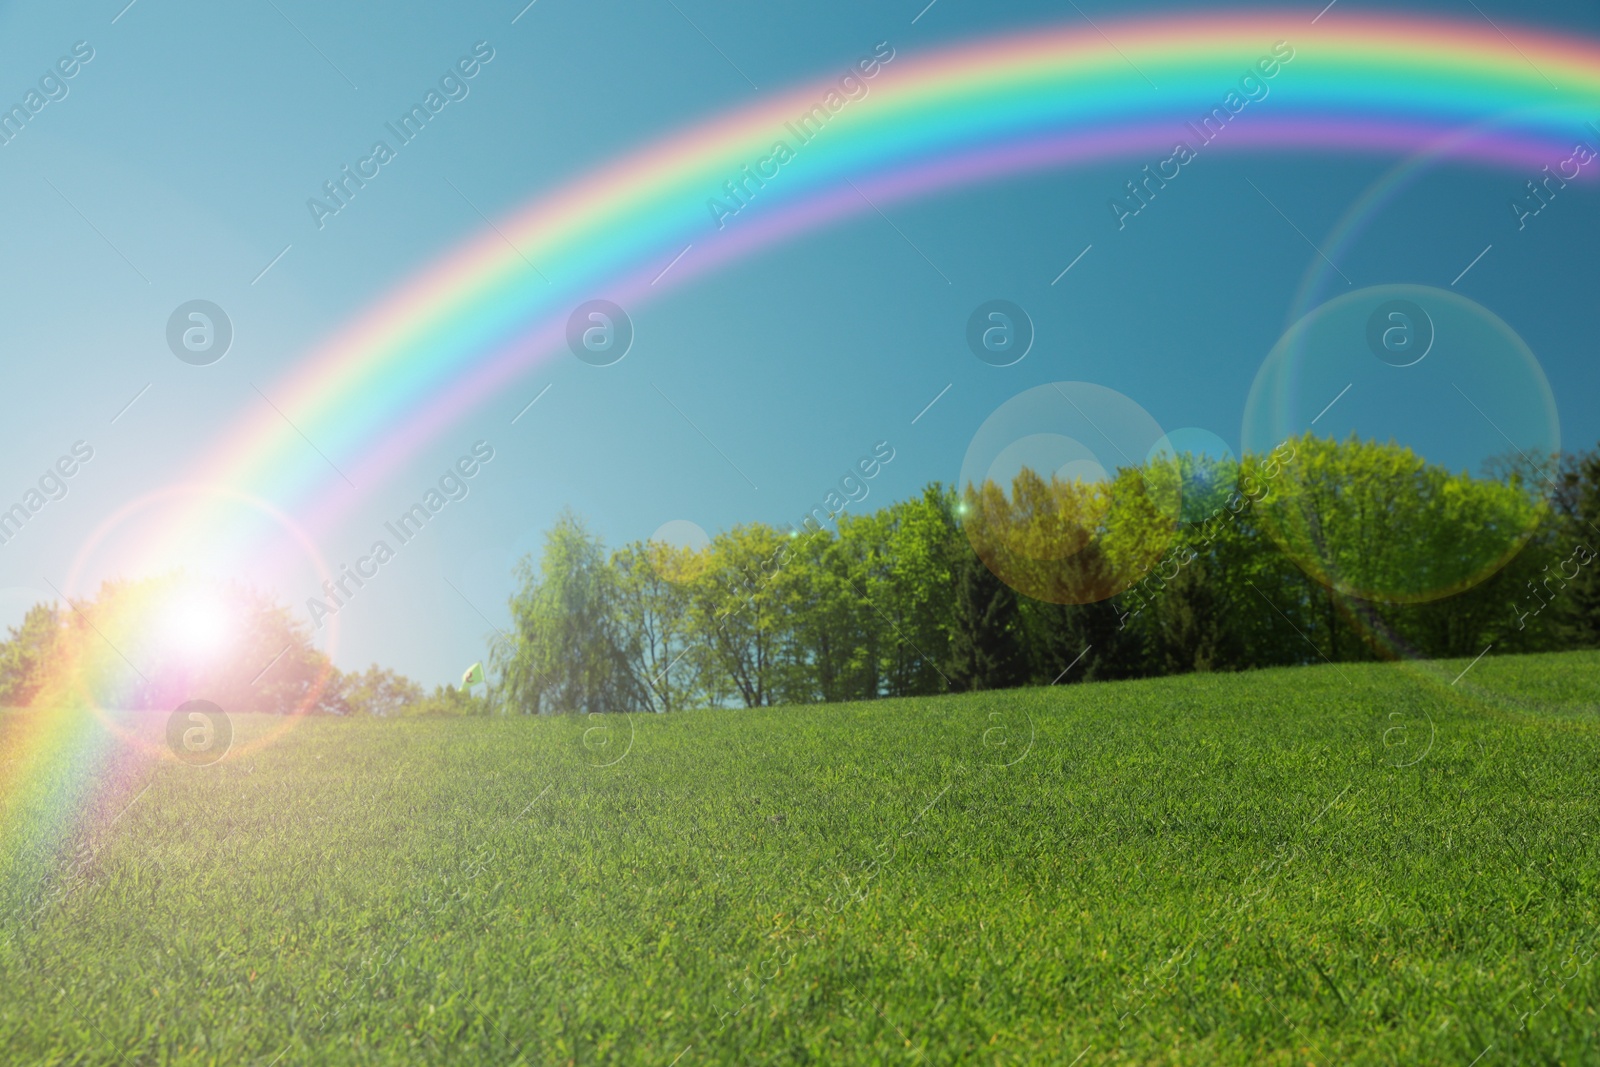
(1352, 864)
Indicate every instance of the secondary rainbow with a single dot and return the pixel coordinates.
(495, 307)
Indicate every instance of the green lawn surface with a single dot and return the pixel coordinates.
(1344, 864)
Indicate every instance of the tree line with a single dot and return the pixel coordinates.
(117, 649)
(1325, 550)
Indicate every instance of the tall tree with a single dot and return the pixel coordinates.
(740, 614)
(985, 634)
(835, 643)
(1194, 623)
(25, 658)
(653, 583)
(914, 587)
(567, 649)
(1578, 562)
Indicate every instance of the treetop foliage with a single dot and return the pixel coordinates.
(1321, 551)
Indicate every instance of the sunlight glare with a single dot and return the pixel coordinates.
(195, 622)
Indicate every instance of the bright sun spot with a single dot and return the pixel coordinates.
(195, 623)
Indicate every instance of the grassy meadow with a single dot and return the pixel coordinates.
(1333, 865)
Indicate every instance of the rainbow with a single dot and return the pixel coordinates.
(496, 306)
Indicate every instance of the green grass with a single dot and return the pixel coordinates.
(1191, 870)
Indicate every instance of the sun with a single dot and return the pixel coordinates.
(195, 623)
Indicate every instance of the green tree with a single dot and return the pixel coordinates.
(566, 652)
(832, 648)
(378, 692)
(914, 586)
(1377, 521)
(741, 615)
(1577, 562)
(26, 656)
(652, 598)
(449, 700)
(1193, 623)
(985, 635)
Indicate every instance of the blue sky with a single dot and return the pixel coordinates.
(179, 163)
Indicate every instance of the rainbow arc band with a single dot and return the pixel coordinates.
(454, 336)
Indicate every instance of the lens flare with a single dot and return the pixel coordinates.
(194, 622)
(1389, 391)
(1048, 477)
(1204, 467)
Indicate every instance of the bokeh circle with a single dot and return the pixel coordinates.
(1204, 467)
(678, 550)
(1048, 475)
(1363, 507)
